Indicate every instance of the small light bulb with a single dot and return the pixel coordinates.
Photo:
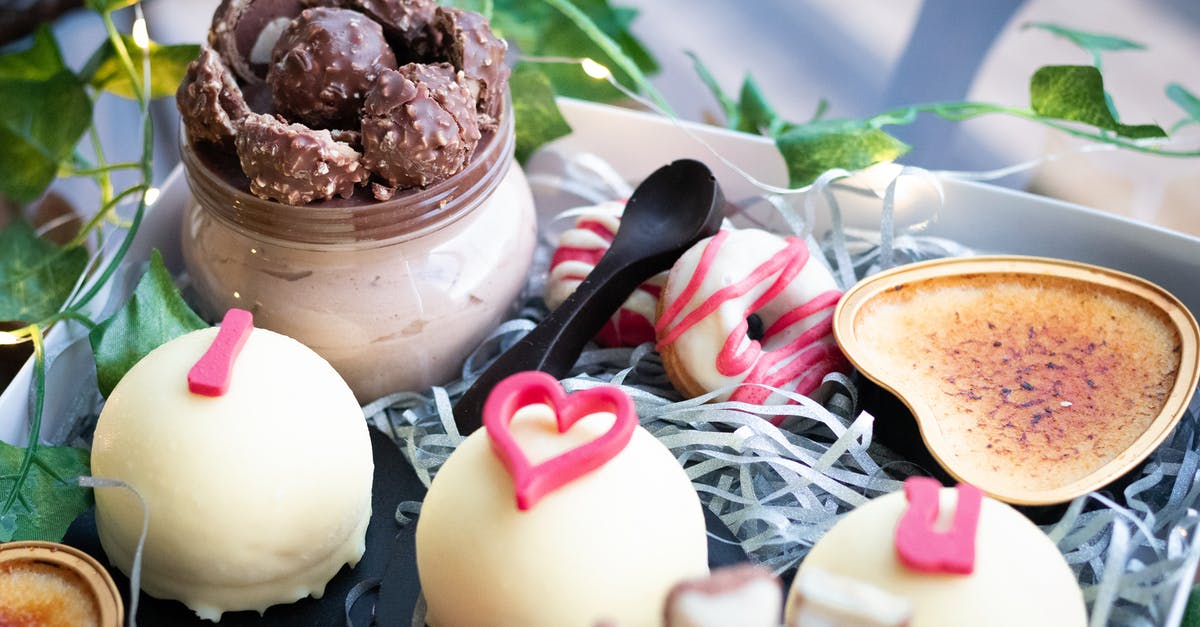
(7, 339)
(595, 70)
(141, 38)
(151, 195)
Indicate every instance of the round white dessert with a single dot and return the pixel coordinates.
(606, 547)
(1020, 577)
(255, 497)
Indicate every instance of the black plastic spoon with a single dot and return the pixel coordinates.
(676, 206)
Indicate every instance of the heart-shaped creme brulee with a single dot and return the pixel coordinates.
(1035, 379)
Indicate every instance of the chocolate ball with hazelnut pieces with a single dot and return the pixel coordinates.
(419, 125)
(244, 32)
(295, 164)
(406, 23)
(323, 65)
(209, 100)
(467, 41)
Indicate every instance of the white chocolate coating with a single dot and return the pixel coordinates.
(256, 497)
(606, 547)
(1020, 578)
(743, 251)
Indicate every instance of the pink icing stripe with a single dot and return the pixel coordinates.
(812, 363)
(777, 263)
(729, 361)
(599, 228)
(805, 386)
(763, 363)
(807, 358)
(589, 256)
(626, 327)
(801, 364)
(827, 300)
(693, 285)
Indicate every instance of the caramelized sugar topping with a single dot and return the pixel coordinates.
(42, 594)
(1035, 381)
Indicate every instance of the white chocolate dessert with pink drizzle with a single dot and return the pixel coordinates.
(257, 494)
(561, 514)
(725, 284)
(579, 250)
(1013, 573)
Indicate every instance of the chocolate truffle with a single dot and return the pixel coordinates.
(244, 32)
(209, 99)
(405, 22)
(295, 164)
(323, 65)
(419, 125)
(468, 41)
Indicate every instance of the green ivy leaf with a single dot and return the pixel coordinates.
(40, 61)
(755, 114)
(102, 6)
(810, 149)
(168, 64)
(822, 109)
(1091, 42)
(1186, 101)
(1191, 612)
(49, 499)
(728, 106)
(155, 314)
(45, 112)
(36, 276)
(535, 112)
(538, 29)
(1076, 93)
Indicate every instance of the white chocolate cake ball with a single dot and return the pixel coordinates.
(1019, 577)
(256, 497)
(606, 547)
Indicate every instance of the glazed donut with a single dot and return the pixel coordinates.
(704, 327)
(579, 250)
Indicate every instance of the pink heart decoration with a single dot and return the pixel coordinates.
(532, 482)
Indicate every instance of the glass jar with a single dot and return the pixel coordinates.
(394, 294)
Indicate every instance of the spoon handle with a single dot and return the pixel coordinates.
(554, 345)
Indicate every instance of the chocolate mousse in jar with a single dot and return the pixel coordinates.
(367, 206)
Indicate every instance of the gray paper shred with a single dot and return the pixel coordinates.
(778, 489)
